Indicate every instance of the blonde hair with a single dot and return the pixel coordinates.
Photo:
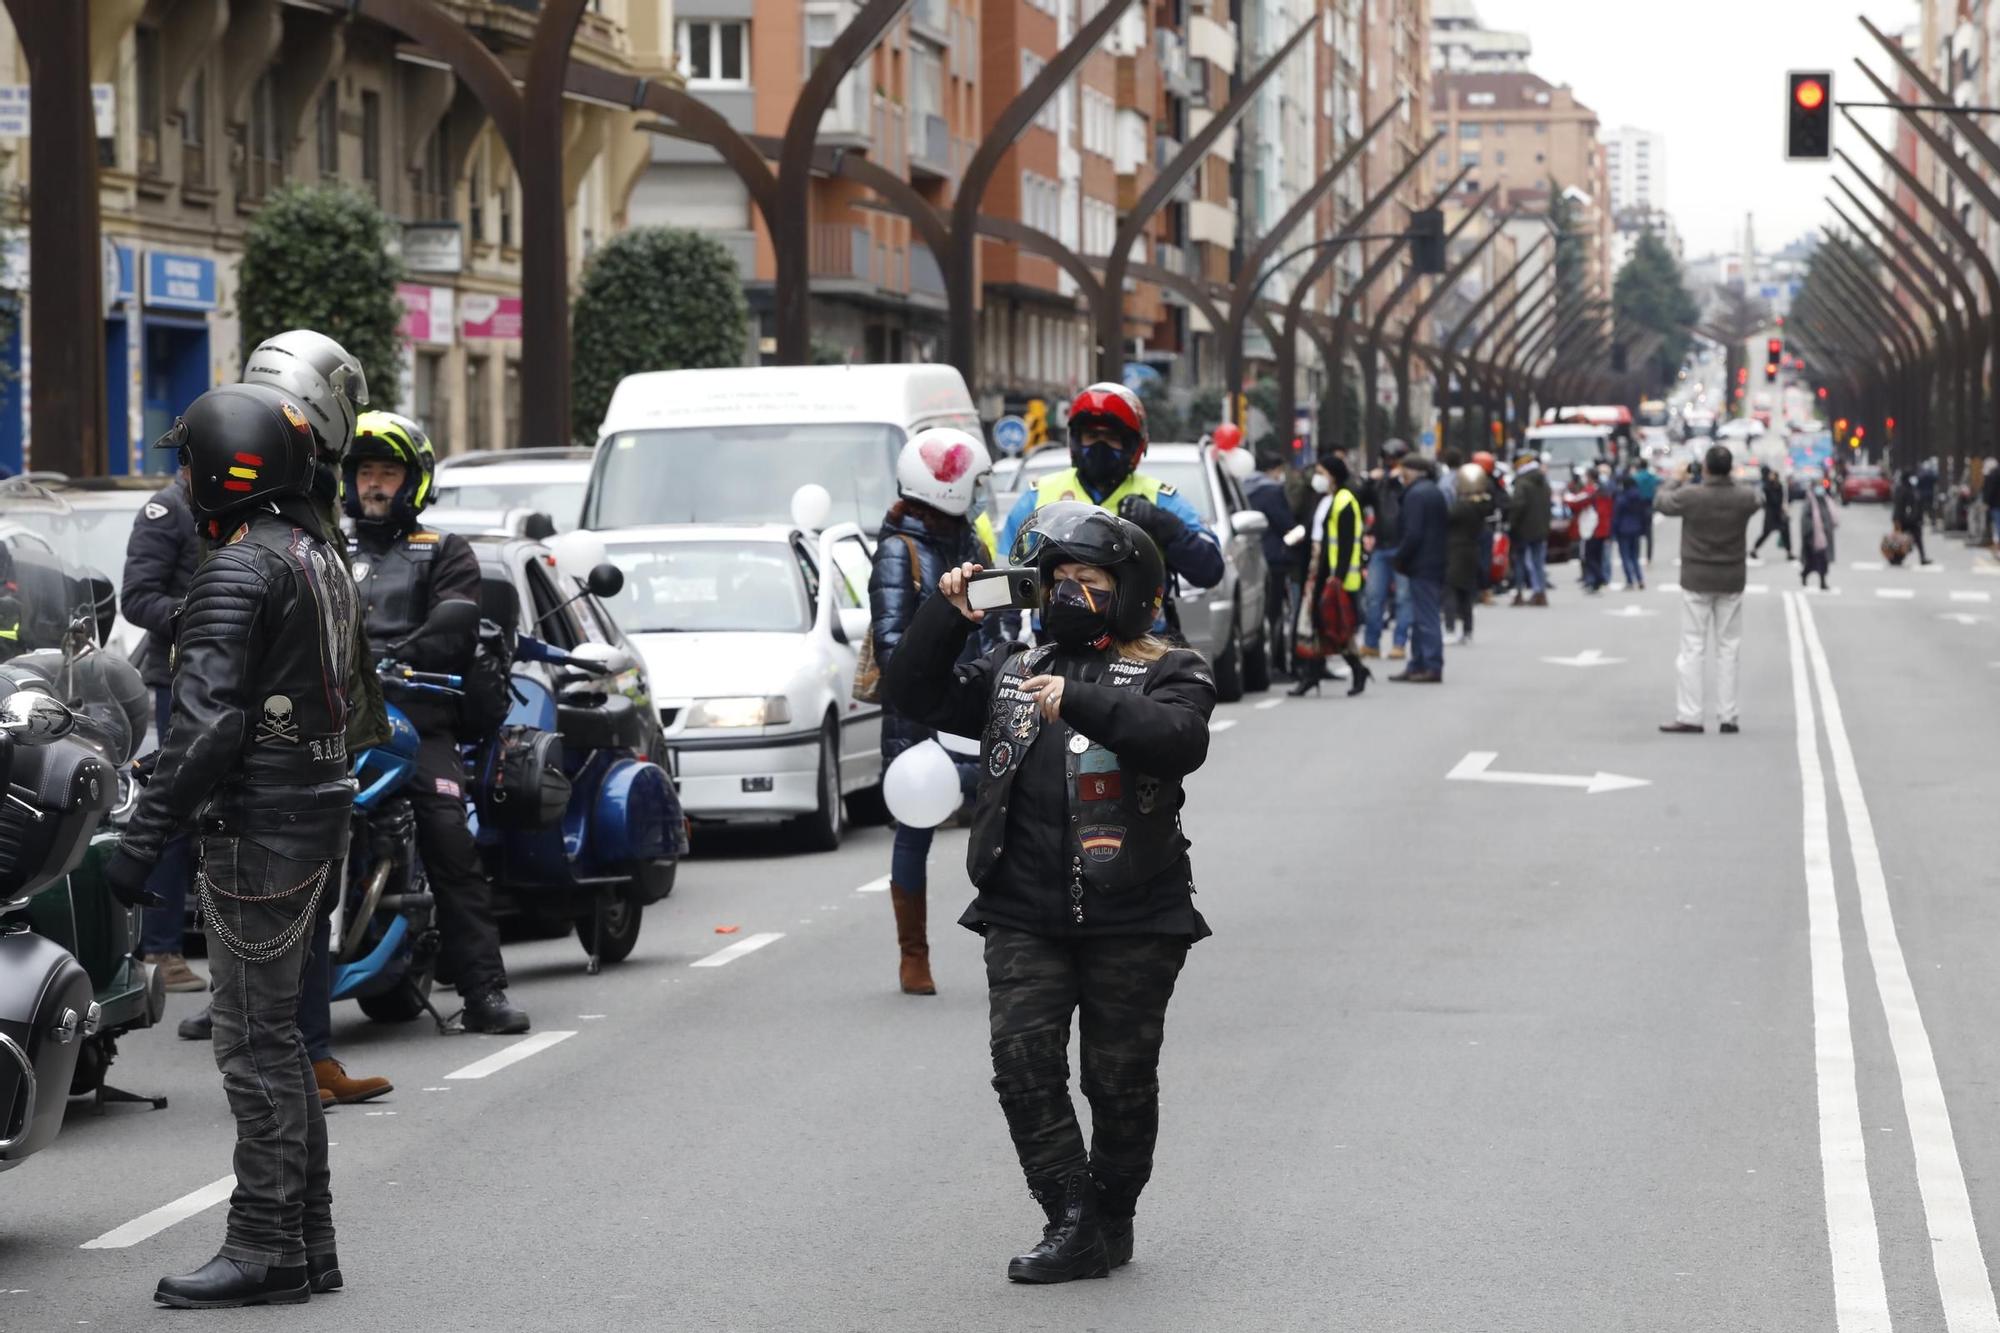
(1145, 648)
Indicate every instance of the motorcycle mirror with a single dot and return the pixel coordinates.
(456, 616)
(606, 580)
(34, 718)
(105, 597)
(602, 659)
(538, 526)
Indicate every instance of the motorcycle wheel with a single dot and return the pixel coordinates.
(398, 1005)
(622, 918)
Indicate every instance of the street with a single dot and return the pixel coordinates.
(1462, 1054)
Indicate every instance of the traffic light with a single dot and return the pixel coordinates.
(1822, 391)
(1774, 351)
(1809, 116)
(1427, 240)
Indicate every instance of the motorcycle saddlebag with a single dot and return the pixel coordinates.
(522, 785)
(71, 786)
(45, 1012)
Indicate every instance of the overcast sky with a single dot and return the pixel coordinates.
(1710, 76)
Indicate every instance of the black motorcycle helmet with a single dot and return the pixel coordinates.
(242, 444)
(1070, 530)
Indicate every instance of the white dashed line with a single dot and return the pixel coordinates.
(1269, 704)
(1972, 596)
(1220, 725)
(1896, 594)
(153, 1223)
(513, 1053)
(1865, 566)
(875, 886)
(738, 949)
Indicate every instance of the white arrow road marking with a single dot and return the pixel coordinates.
(1475, 768)
(1589, 657)
(512, 1053)
(1896, 594)
(1631, 612)
(1972, 596)
(153, 1223)
(1221, 724)
(875, 886)
(748, 944)
(1961, 617)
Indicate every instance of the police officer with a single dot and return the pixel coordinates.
(1085, 893)
(256, 764)
(1107, 442)
(405, 572)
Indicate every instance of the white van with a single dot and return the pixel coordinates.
(733, 446)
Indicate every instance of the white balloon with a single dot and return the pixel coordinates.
(921, 786)
(810, 506)
(577, 552)
(1239, 462)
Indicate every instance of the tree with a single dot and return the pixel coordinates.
(658, 298)
(317, 257)
(1572, 258)
(1649, 296)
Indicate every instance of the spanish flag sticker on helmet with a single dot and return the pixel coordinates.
(297, 418)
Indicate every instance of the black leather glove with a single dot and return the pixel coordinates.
(143, 766)
(126, 876)
(1160, 525)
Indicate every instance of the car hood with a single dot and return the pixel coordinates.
(717, 665)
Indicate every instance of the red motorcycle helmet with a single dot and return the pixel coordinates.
(1486, 461)
(1112, 406)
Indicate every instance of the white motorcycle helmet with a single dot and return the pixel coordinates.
(942, 468)
(321, 375)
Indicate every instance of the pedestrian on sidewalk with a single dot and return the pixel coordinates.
(1630, 513)
(1422, 557)
(1817, 522)
(1583, 496)
(1715, 514)
(1908, 513)
(1085, 892)
(1648, 482)
(1775, 523)
(926, 532)
(1336, 563)
(1381, 494)
(1472, 502)
(1528, 526)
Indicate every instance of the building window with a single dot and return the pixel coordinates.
(1468, 159)
(371, 143)
(427, 398)
(263, 165)
(1499, 158)
(194, 133)
(507, 213)
(475, 199)
(433, 178)
(147, 62)
(714, 55)
(1469, 130)
(475, 403)
(1050, 116)
(510, 407)
(327, 131)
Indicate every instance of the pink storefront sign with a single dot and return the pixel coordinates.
(491, 317)
(427, 313)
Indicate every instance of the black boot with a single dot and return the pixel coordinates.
(1362, 675)
(197, 1027)
(224, 1284)
(1072, 1244)
(324, 1272)
(1311, 672)
(489, 1011)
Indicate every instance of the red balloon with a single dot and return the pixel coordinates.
(1228, 436)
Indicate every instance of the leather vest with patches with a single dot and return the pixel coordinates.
(395, 584)
(1124, 826)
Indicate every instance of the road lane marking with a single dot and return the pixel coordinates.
(1896, 594)
(1958, 596)
(875, 886)
(1589, 657)
(1631, 612)
(1934, 567)
(512, 1053)
(153, 1223)
(1962, 617)
(1965, 1288)
(1865, 566)
(735, 951)
(1269, 704)
(1220, 725)
(1860, 1296)
(1477, 766)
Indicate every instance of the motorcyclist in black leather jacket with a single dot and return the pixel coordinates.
(405, 573)
(256, 765)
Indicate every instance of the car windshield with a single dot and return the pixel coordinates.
(91, 538)
(743, 474)
(1189, 476)
(719, 587)
(1570, 450)
(562, 501)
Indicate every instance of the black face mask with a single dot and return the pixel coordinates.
(1077, 617)
(1103, 466)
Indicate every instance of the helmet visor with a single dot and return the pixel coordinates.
(1070, 530)
(347, 379)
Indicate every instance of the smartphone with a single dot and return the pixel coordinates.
(991, 589)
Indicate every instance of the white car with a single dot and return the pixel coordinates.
(497, 480)
(89, 522)
(750, 635)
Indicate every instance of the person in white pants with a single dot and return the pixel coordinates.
(1714, 516)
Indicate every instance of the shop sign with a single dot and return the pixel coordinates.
(433, 247)
(427, 313)
(490, 316)
(179, 282)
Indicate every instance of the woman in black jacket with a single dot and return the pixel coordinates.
(1085, 894)
(926, 532)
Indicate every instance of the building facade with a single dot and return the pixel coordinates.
(1635, 161)
(1460, 43)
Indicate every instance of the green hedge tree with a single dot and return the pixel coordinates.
(656, 298)
(317, 257)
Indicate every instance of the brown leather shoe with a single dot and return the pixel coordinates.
(175, 974)
(1539, 599)
(1520, 599)
(336, 1085)
(1365, 651)
(915, 970)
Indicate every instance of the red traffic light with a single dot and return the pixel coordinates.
(1811, 94)
(1890, 422)
(1774, 347)
(1822, 392)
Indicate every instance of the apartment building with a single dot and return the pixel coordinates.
(213, 104)
(1462, 44)
(1635, 163)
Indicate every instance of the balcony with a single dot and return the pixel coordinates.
(1212, 223)
(1211, 41)
(847, 122)
(931, 19)
(930, 148)
(926, 278)
(1173, 61)
(891, 146)
(841, 256)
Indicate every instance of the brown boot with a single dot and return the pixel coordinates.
(337, 1085)
(915, 971)
(1539, 599)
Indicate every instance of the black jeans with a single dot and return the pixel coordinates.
(470, 936)
(259, 909)
(1119, 985)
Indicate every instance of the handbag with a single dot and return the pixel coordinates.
(867, 667)
(1338, 620)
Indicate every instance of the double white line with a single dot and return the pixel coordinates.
(1861, 1302)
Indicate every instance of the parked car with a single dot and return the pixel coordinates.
(1224, 623)
(1865, 481)
(752, 634)
(88, 521)
(734, 446)
(498, 480)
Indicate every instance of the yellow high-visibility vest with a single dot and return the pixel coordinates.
(1343, 500)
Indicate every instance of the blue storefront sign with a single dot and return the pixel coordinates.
(179, 282)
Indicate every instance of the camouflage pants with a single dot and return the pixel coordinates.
(1119, 987)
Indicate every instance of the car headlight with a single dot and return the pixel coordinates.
(758, 711)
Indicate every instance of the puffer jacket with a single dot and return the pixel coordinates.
(160, 560)
(895, 591)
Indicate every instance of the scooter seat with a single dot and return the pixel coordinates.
(612, 724)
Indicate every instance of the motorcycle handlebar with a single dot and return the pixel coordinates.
(396, 675)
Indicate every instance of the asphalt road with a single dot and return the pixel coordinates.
(1711, 1052)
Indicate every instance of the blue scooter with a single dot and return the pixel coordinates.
(614, 850)
(385, 934)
